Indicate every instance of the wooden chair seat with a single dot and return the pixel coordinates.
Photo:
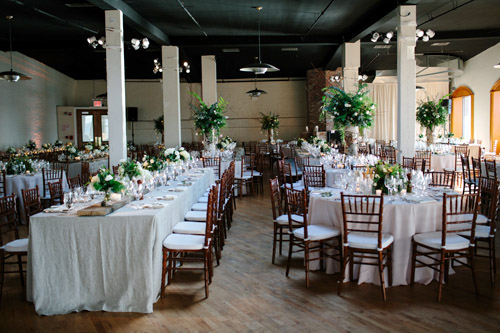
(180, 242)
(16, 246)
(366, 240)
(190, 228)
(196, 216)
(317, 232)
(283, 219)
(434, 240)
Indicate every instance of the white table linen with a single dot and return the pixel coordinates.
(401, 219)
(110, 263)
(441, 162)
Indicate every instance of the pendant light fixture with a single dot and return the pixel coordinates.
(259, 67)
(12, 75)
(256, 92)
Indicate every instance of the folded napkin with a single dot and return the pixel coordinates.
(166, 197)
(185, 184)
(148, 206)
(177, 189)
(56, 209)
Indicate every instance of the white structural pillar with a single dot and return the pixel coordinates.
(351, 60)
(171, 96)
(406, 80)
(208, 79)
(115, 68)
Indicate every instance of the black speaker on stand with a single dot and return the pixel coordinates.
(132, 117)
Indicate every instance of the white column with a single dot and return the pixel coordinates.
(171, 96)
(351, 60)
(406, 80)
(115, 68)
(208, 79)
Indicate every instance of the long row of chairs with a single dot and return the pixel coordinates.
(476, 230)
(202, 232)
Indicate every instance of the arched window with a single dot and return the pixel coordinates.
(462, 113)
(495, 115)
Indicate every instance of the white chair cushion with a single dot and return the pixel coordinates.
(200, 207)
(18, 245)
(205, 194)
(368, 240)
(190, 228)
(433, 239)
(482, 231)
(184, 242)
(203, 199)
(245, 177)
(481, 219)
(196, 216)
(317, 232)
(283, 219)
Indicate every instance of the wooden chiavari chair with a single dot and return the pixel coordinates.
(10, 243)
(74, 182)
(245, 179)
(445, 179)
(177, 247)
(420, 157)
(389, 154)
(49, 176)
(3, 191)
(85, 172)
(314, 176)
(470, 183)
(61, 165)
(363, 237)
(258, 174)
(32, 203)
(491, 169)
(441, 247)
(56, 193)
(213, 163)
(408, 162)
(311, 239)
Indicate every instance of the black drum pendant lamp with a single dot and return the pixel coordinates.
(12, 76)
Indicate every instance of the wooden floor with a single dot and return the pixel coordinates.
(248, 293)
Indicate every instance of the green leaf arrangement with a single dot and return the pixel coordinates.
(129, 169)
(19, 165)
(105, 181)
(348, 109)
(384, 169)
(269, 121)
(431, 114)
(31, 145)
(159, 125)
(210, 117)
(152, 163)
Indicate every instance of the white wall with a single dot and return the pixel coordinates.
(480, 76)
(286, 98)
(28, 108)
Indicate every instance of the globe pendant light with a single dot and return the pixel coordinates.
(256, 92)
(12, 75)
(259, 67)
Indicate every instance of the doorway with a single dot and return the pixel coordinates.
(495, 115)
(92, 124)
(462, 113)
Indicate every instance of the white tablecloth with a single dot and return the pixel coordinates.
(402, 220)
(332, 175)
(16, 183)
(75, 168)
(110, 263)
(441, 162)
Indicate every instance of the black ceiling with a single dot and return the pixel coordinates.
(296, 35)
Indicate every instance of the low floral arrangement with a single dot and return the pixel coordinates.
(11, 150)
(226, 143)
(19, 165)
(319, 143)
(106, 182)
(184, 155)
(132, 170)
(152, 163)
(300, 141)
(31, 145)
(171, 155)
(209, 118)
(131, 146)
(58, 143)
(89, 147)
(383, 170)
(47, 146)
(450, 135)
(348, 109)
(269, 121)
(71, 150)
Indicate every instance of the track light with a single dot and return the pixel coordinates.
(102, 41)
(389, 35)
(145, 43)
(136, 43)
(157, 66)
(419, 33)
(425, 38)
(335, 78)
(375, 36)
(363, 77)
(387, 40)
(91, 39)
(430, 33)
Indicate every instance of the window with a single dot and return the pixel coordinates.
(462, 113)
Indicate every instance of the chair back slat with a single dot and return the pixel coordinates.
(50, 176)
(56, 193)
(445, 179)
(491, 169)
(314, 176)
(296, 204)
(490, 200)
(459, 214)
(3, 191)
(32, 202)
(274, 186)
(8, 218)
(213, 163)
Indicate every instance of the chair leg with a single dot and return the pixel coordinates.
(206, 274)
(290, 248)
(170, 267)
(473, 269)
(413, 261)
(281, 239)
(342, 273)
(381, 273)
(493, 264)
(2, 268)
(321, 255)
(163, 272)
(441, 273)
(20, 265)
(351, 266)
(306, 258)
(274, 241)
(389, 264)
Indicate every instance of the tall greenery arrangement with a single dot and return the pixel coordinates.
(159, 125)
(208, 117)
(348, 109)
(269, 121)
(431, 114)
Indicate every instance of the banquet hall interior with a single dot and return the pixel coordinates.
(282, 165)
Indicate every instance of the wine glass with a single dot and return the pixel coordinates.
(68, 200)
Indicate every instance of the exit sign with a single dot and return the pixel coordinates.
(97, 103)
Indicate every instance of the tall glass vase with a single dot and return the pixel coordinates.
(270, 135)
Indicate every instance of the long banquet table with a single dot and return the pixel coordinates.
(110, 263)
(400, 218)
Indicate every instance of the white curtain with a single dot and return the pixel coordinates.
(385, 96)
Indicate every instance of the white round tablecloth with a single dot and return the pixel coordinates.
(441, 162)
(401, 219)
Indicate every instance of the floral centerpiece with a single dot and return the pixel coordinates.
(106, 182)
(159, 126)
(226, 143)
(383, 170)
(19, 165)
(300, 141)
(208, 120)
(152, 163)
(11, 150)
(71, 151)
(323, 146)
(89, 147)
(349, 112)
(132, 170)
(184, 155)
(431, 114)
(270, 122)
(47, 146)
(171, 155)
(58, 143)
(31, 145)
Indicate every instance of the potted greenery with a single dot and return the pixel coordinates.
(350, 112)
(270, 123)
(208, 120)
(431, 114)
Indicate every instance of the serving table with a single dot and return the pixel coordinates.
(402, 217)
(110, 263)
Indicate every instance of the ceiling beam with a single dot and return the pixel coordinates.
(241, 41)
(134, 20)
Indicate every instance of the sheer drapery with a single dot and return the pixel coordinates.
(385, 95)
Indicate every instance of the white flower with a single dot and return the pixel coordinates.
(143, 158)
(151, 161)
(347, 105)
(169, 151)
(108, 178)
(355, 113)
(185, 155)
(121, 170)
(177, 155)
(94, 179)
